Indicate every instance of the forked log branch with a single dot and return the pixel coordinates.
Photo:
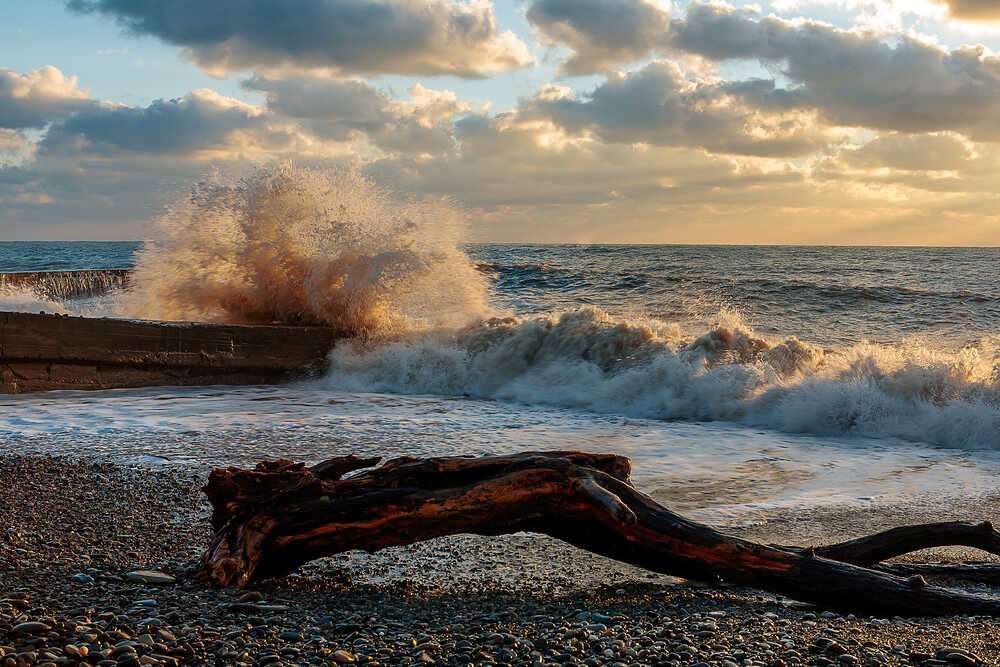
(905, 539)
(272, 519)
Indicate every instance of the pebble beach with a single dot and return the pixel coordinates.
(97, 563)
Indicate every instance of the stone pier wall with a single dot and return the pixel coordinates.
(40, 352)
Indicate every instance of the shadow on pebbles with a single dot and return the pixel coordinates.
(71, 532)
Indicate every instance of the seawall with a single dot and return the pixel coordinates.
(40, 352)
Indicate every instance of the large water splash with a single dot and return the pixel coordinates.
(313, 247)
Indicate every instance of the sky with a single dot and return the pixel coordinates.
(584, 121)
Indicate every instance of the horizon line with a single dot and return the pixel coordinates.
(603, 243)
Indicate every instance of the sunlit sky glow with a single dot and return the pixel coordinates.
(622, 121)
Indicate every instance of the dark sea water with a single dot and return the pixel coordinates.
(825, 295)
(828, 295)
(804, 375)
(26, 256)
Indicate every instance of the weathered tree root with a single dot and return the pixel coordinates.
(871, 550)
(271, 520)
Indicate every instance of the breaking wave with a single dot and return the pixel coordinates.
(587, 359)
(311, 247)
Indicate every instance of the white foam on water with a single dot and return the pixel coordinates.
(718, 470)
(587, 359)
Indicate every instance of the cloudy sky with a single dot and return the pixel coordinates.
(646, 121)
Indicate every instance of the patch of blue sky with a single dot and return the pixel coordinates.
(114, 65)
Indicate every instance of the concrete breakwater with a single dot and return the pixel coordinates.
(59, 285)
(40, 352)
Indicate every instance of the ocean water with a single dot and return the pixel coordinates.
(904, 416)
(742, 381)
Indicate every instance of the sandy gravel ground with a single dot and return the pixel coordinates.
(71, 531)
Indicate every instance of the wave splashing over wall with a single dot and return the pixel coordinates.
(311, 247)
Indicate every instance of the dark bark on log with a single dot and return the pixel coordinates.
(271, 520)
(898, 541)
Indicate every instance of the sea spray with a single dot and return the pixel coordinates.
(312, 247)
(25, 299)
(64, 285)
(587, 359)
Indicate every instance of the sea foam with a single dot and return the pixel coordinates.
(589, 360)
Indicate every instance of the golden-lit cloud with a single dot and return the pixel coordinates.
(658, 105)
(34, 98)
(707, 123)
(973, 10)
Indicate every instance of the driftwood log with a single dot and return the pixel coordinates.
(270, 520)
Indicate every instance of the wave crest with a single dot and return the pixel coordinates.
(590, 360)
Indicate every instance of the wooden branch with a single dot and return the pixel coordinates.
(270, 520)
(898, 541)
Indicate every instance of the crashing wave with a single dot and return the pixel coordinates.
(589, 360)
(312, 247)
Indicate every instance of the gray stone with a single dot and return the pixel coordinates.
(150, 577)
(29, 628)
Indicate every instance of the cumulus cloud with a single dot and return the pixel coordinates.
(656, 154)
(948, 167)
(342, 110)
(523, 179)
(511, 161)
(55, 196)
(202, 120)
(657, 105)
(600, 33)
(35, 98)
(913, 152)
(411, 37)
(856, 78)
(336, 108)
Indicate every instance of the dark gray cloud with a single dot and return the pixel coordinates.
(855, 78)
(412, 37)
(657, 105)
(38, 97)
(600, 33)
(201, 120)
(341, 110)
(333, 108)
